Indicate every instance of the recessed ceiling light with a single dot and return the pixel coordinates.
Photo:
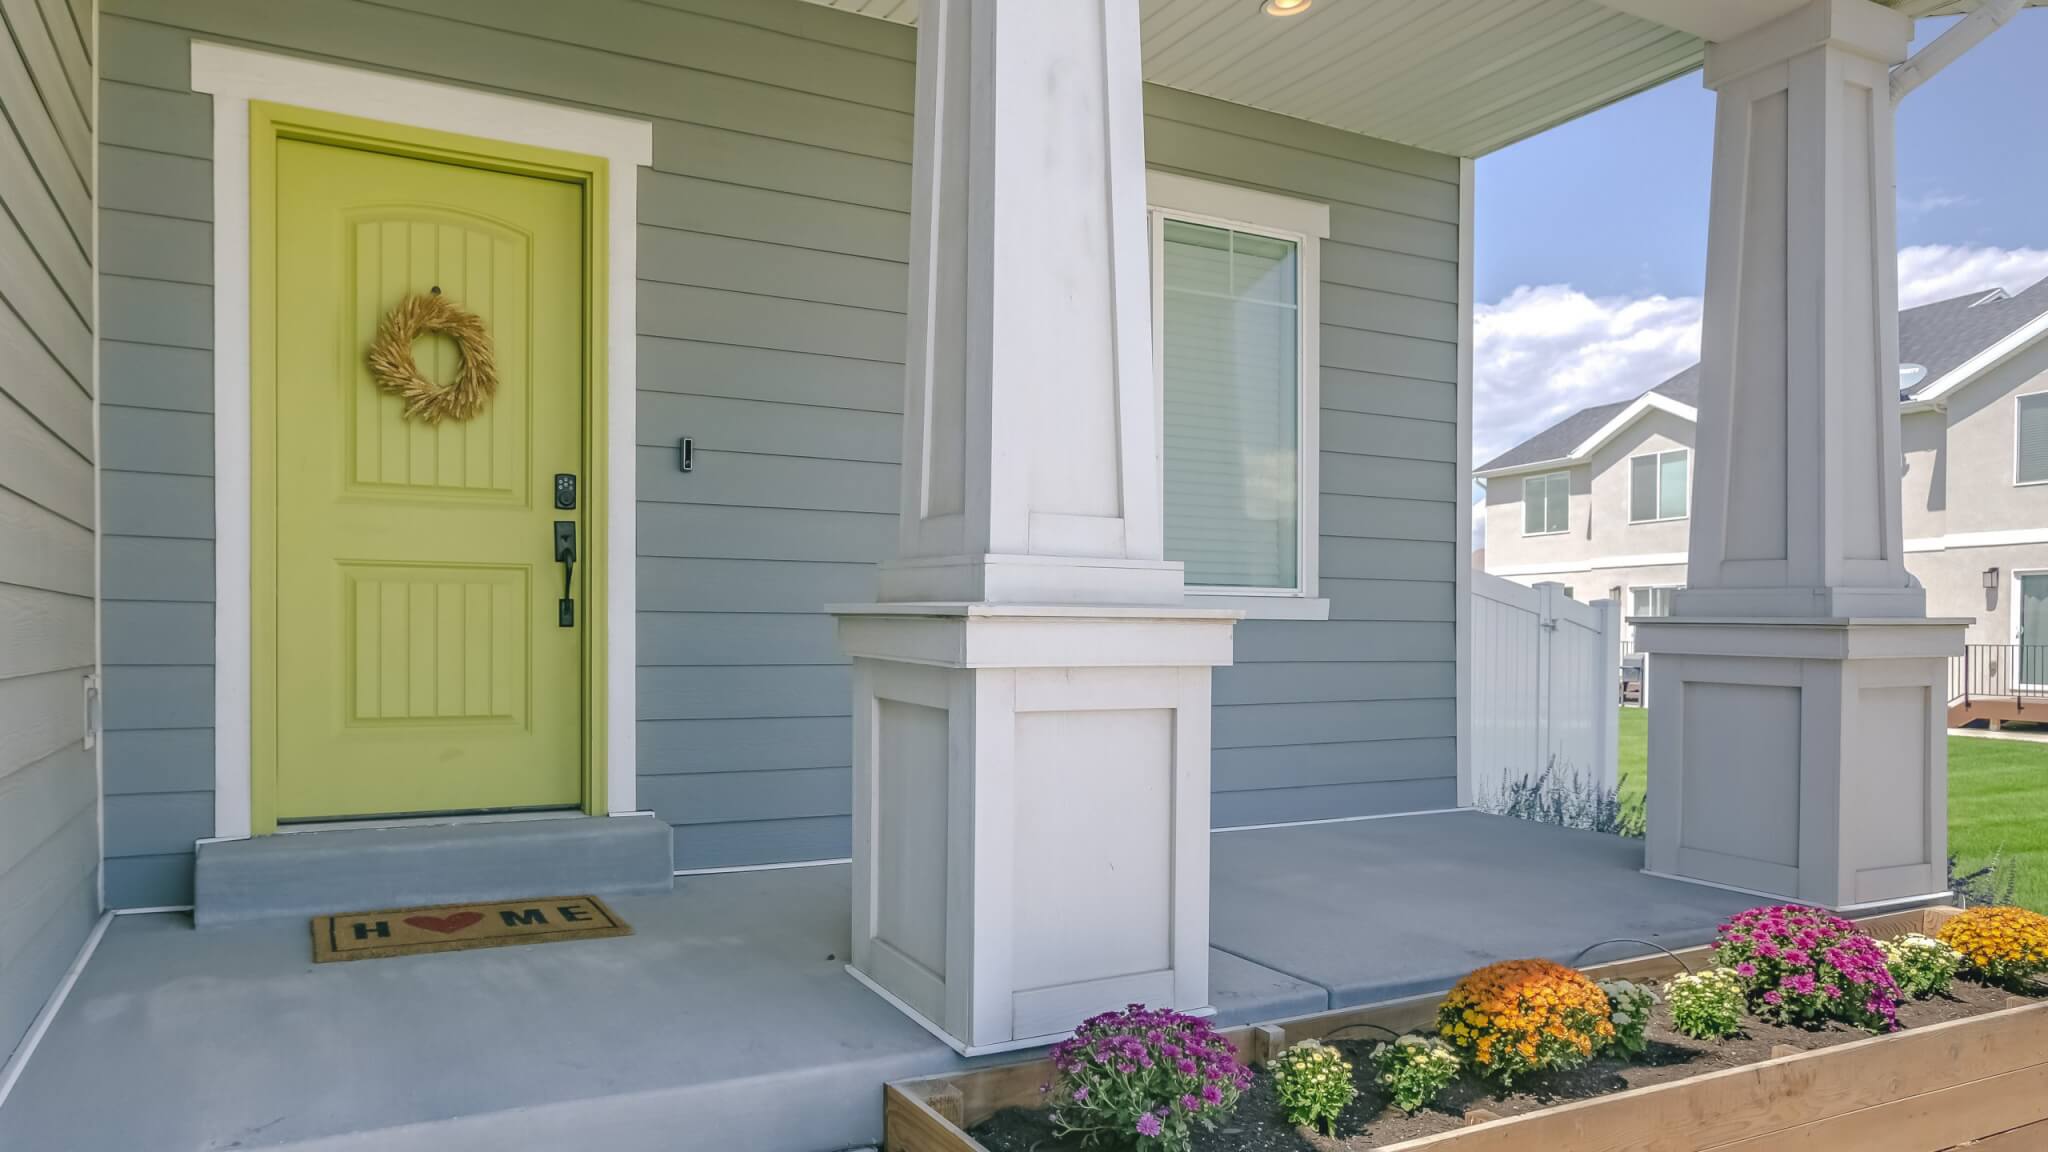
(1285, 7)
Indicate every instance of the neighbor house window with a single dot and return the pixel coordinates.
(2030, 444)
(1235, 276)
(1650, 601)
(1546, 504)
(1656, 486)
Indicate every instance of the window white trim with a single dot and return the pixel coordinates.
(1306, 224)
(1546, 477)
(1658, 456)
(235, 76)
(2018, 405)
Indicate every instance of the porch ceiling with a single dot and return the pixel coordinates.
(1462, 77)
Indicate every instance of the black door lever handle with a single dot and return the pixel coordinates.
(565, 555)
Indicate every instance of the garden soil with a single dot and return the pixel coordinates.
(1370, 1122)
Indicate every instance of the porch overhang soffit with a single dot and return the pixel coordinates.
(1458, 77)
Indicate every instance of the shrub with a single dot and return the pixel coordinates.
(1706, 1005)
(1920, 965)
(1525, 1016)
(1314, 1084)
(1799, 965)
(1997, 882)
(2000, 945)
(1414, 1070)
(1559, 795)
(1629, 1006)
(1145, 1078)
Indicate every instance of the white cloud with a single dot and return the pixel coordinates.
(1933, 272)
(1547, 351)
(1931, 202)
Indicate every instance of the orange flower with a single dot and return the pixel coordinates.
(1524, 1016)
(1999, 944)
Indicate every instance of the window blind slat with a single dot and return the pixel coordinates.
(1642, 488)
(1231, 374)
(1671, 485)
(2031, 444)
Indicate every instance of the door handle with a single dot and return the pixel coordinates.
(565, 555)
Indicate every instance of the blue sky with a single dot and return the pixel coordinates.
(1591, 246)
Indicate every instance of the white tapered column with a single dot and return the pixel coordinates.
(1797, 745)
(1030, 445)
(1031, 695)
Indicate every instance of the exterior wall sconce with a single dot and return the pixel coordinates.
(1991, 579)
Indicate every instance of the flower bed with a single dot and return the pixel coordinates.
(1962, 1068)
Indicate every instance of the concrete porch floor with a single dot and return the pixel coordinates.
(727, 1021)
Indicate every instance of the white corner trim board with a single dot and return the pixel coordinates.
(234, 77)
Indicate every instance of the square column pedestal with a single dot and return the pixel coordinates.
(1803, 759)
(1031, 812)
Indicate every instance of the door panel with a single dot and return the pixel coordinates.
(2032, 607)
(422, 667)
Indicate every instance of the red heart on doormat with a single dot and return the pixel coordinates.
(445, 924)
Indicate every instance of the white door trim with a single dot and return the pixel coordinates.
(235, 76)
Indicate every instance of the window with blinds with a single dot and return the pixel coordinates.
(1546, 504)
(1656, 486)
(2030, 442)
(1650, 601)
(1230, 304)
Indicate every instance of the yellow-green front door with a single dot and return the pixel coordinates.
(421, 662)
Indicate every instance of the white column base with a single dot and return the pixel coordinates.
(1800, 759)
(1031, 812)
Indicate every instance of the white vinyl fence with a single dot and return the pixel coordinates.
(1546, 673)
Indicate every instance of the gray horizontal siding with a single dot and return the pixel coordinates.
(772, 247)
(49, 815)
(156, 435)
(1353, 716)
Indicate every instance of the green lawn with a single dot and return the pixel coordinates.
(1997, 801)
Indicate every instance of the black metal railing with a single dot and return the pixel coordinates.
(1999, 672)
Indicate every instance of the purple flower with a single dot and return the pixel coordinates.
(1148, 1125)
(1212, 1094)
(1745, 970)
(1191, 1104)
(1081, 1094)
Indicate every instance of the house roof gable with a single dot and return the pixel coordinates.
(1954, 339)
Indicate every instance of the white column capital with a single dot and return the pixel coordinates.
(1859, 27)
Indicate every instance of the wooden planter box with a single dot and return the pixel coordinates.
(1926, 1090)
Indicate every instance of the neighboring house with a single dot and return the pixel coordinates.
(1600, 500)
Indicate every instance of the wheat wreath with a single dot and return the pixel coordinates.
(392, 366)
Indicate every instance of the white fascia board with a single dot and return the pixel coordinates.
(1520, 469)
(1630, 415)
(1607, 431)
(1984, 361)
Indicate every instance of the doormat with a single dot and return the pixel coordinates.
(457, 927)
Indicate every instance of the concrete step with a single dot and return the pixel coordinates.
(356, 869)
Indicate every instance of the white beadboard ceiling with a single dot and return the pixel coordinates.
(1462, 77)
